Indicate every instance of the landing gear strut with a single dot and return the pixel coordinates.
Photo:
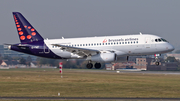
(156, 59)
(89, 65)
(97, 65)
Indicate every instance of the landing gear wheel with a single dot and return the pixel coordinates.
(157, 63)
(157, 59)
(89, 65)
(97, 65)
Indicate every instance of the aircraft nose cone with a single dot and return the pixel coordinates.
(170, 47)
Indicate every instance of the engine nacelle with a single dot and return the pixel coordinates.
(103, 57)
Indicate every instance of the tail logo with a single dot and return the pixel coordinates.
(32, 29)
(29, 37)
(22, 37)
(21, 33)
(33, 33)
(19, 29)
(27, 33)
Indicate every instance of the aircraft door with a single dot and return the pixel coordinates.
(147, 42)
(46, 49)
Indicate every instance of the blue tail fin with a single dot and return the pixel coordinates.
(26, 31)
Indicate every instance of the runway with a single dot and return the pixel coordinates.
(87, 98)
(129, 71)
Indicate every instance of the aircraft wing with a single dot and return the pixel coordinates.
(79, 51)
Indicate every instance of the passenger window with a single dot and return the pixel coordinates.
(125, 42)
(108, 43)
(99, 43)
(122, 42)
(119, 42)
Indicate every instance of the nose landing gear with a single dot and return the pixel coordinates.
(157, 63)
(156, 59)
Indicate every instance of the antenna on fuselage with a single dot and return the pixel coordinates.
(62, 37)
(140, 33)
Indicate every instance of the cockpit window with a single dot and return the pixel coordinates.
(164, 40)
(159, 40)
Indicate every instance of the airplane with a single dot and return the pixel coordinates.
(102, 49)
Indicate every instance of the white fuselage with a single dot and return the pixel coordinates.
(122, 45)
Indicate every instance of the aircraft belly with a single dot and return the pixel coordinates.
(62, 53)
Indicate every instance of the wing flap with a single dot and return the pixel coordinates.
(76, 50)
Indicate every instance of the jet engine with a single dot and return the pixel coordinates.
(103, 57)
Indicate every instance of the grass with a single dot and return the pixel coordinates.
(48, 83)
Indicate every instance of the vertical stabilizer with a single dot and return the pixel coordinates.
(27, 33)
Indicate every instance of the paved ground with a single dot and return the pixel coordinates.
(130, 71)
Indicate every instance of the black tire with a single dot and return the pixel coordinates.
(157, 63)
(89, 65)
(97, 65)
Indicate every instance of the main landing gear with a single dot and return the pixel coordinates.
(89, 65)
(156, 59)
(96, 65)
